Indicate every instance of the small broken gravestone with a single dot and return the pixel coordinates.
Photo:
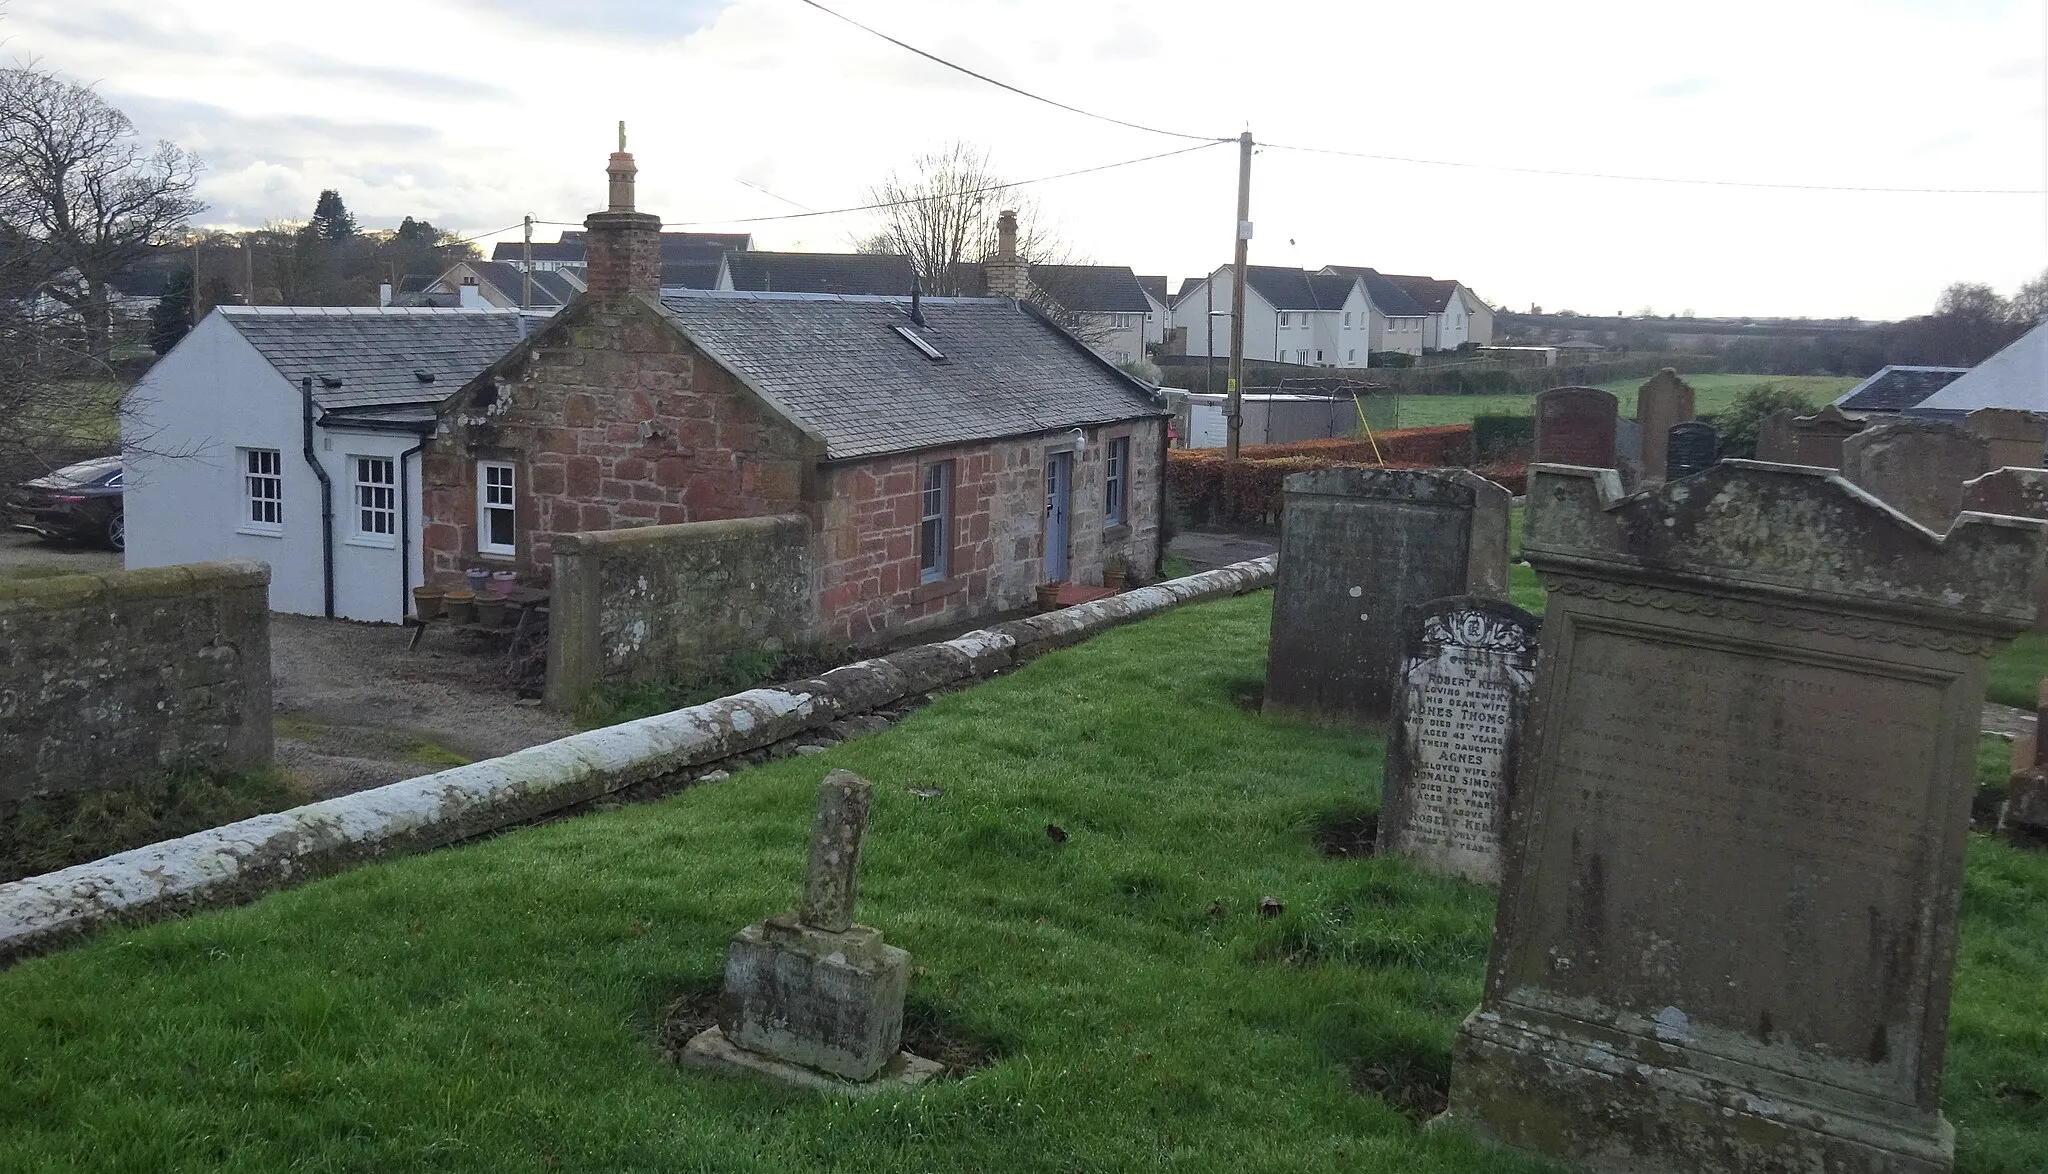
(811, 998)
(1774, 440)
(1817, 439)
(1466, 672)
(1733, 866)
(1358, 547)
(1628, 452)
(2024, 818)
(1575, 426)
(1692, 447)
(2016, 493)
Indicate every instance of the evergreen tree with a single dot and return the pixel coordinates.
(171, 318)
(332, 220)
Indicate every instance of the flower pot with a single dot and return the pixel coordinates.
(490, 609)
(479, 579)
(504, 581)
(426, 602)
(1048, 596)
(1113, 578)
(460, 605)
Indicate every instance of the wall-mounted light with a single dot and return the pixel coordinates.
(1080, 436)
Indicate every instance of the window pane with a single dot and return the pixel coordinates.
(501, 527)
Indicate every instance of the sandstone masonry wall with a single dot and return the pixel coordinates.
(656, 601)
(106, 679)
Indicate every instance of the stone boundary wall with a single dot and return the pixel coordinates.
(651, 601)
(110, 678)
(242, 861)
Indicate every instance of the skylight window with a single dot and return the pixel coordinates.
(917, 340)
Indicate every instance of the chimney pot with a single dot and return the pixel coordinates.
(622, 247)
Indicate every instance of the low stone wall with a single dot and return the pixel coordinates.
(108, 678)
(653, 600)
(243, 860)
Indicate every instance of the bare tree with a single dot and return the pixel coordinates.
(83, 194)
(2029, 305)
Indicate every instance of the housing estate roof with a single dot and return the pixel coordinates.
(1432, 294)
(1296, 289)
(1188, 285)
(689, 274)
(884, 274)
(839, 366)
(362, 356)
(551, 291)
(2016, 377)
(1092, 289)
(675, 246)
(1897, 388)
(1156, 286)
(1391, 299)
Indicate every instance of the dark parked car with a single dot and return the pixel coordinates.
(81, 501)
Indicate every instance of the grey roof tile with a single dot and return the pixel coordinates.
(887, 275)
(375, 353)
(836, 365)
(1897, 388)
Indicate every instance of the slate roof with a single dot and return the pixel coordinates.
(551, 291)
(375, 352)
(1432, 295)
(1156, 286)
(836, 365)
(1296, 289)
(886, 275)
(675, 246)
(1092, 289)
(1386, 294)
(1188, 285)
(2016, 377)
(1897, 388)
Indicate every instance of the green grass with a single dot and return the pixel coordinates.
(609, 703)
(44, 834)
(35, 572)
(2016, 673)
(492, 1007)
(1714, 394)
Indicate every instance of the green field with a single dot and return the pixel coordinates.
(499, 1006)
(1714, 393)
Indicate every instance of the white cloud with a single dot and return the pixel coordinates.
(473, 113)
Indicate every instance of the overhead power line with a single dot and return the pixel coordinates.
(1725, 183)
(933, 57)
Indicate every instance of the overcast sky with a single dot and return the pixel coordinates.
(472, 113)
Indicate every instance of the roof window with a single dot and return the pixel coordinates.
(917, 340)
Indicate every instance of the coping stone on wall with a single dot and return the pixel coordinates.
(241, 861)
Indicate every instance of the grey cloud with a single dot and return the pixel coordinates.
(612, 18)
(1684, 87)
(413, 81)
(230, 139)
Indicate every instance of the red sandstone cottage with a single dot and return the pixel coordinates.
(949, 453)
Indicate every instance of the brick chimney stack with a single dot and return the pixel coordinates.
(622, 246)
(1009, 276)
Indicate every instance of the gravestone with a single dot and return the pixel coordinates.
(811, 998)
(1774, 441)
(1817, 439)
(1357, 548)
(1467, 667)
(1731, 879)
(1916, 466)
(2016, 438)
(1628, 451)
(2016, 493)
(1692, 447)
(1662, 404)
(2024, 818)
(1575, 426)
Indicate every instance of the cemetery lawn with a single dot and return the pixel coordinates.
(494, 1007)
(1714, 393)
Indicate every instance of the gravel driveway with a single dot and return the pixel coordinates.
(20, 551)
(356, 710)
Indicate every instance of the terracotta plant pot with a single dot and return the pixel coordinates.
(426, 603)
(460, 605)
(1113, 578)
(1048, 596)
(490, 609)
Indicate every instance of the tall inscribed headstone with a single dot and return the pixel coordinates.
(1357, 548)
(1662, 403)
(1727, 923)
(1916, 466)
(1575, 426)
(1466, 673)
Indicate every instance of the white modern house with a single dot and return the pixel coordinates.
(1290, 316)
(1158, 316)
(291, 435)
(1455, 315)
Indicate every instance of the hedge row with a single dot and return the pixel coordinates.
(1207, 489)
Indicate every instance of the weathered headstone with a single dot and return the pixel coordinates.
(1663, 403)
(1466, 671)
(2016, 493)
(1575, 426)
(1734, 860)
(1692, 447)
(2024, 818)
(1916, 466)
(1357, 548)
(1817, 439)
(1774, 441)
(1628, 451)
(811, 998)
(2016, 438)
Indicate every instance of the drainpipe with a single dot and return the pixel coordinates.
(405, 526)
(326, 493)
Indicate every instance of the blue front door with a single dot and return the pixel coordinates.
(1059, 493)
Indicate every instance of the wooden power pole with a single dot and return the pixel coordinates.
(526, 282)
(1234, 407)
